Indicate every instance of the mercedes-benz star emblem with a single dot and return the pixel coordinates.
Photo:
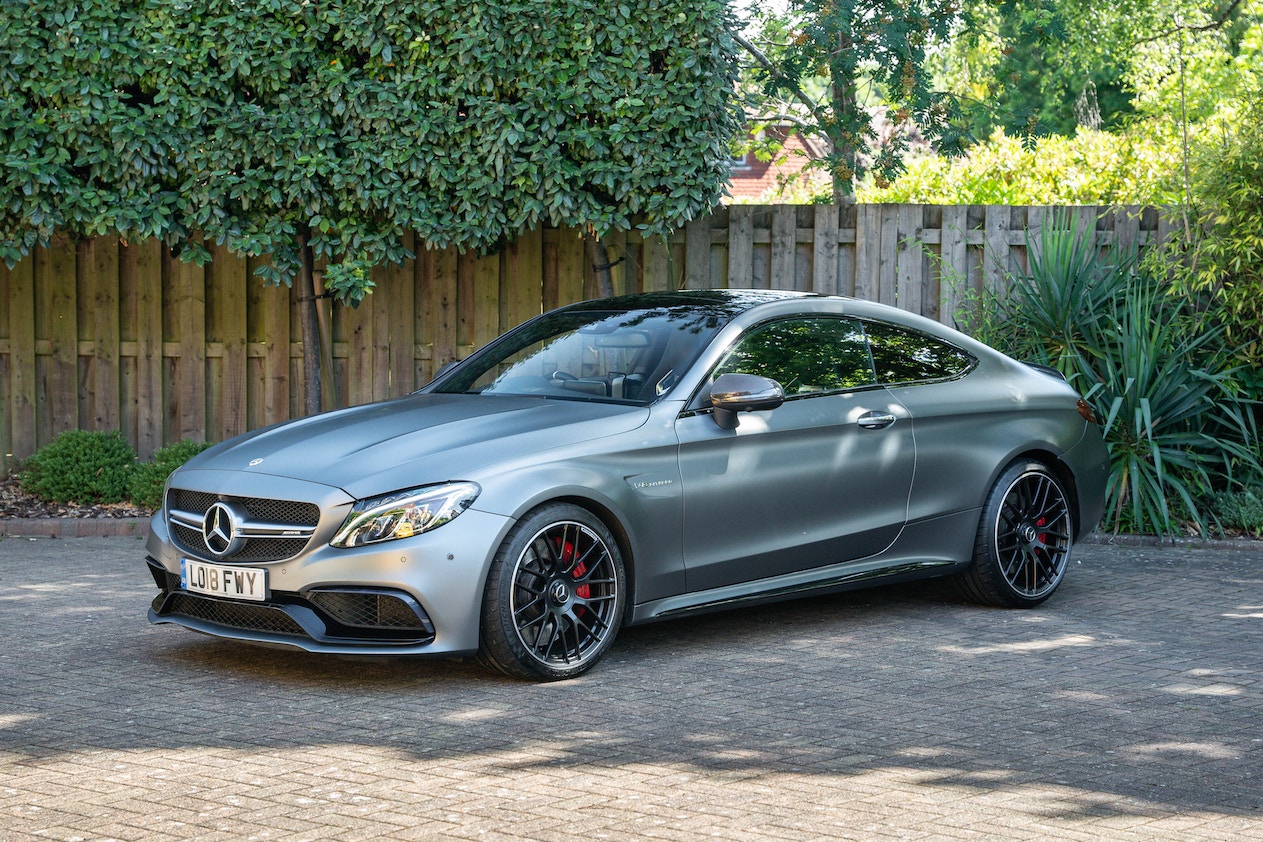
(219, 530)
(559, 592)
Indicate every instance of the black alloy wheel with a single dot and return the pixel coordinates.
(1024, 539)
(554, 598)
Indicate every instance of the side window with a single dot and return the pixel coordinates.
(806, 356)
(906, 356)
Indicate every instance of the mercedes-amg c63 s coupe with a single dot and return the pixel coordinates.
(630, 460)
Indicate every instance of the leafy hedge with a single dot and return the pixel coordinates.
(1091, 168)
(354, 122)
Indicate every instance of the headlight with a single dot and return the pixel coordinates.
(403, 514)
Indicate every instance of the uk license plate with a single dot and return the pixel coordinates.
(219, 580)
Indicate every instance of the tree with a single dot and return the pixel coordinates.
(821, 64)
(319, 133)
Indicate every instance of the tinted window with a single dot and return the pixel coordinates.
(906, 356)
(806, 356)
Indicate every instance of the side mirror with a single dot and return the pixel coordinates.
(733, 393)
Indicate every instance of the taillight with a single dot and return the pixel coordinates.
(1085, 410)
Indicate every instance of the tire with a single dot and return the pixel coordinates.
(554, 597)
(1024, 536)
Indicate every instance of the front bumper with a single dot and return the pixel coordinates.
(415, 596)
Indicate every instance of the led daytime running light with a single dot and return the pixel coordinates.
(403, 514)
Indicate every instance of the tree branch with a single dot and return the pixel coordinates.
(770, 67)
(1215, 23)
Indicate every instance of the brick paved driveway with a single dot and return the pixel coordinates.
(1129, 707)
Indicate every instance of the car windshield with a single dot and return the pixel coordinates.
(622, 356)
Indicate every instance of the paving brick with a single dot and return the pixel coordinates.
(1127, 707)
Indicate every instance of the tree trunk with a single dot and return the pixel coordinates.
(599, 257)
(311, 330)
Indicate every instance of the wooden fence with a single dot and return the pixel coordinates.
(105, 335)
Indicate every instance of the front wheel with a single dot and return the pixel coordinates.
(1023, 541)
(554, 597)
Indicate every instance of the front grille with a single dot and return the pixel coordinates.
(234, 615)
(368, 609)
(290, 513)
(354, 615)
(261, 508)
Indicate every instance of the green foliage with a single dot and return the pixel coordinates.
(1239, 510)
(1176, 421)
(144, 487)
(1090, 168)
(822, 62)
(80, 466)
(1223, 257)
(350, 123)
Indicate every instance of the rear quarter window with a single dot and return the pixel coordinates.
(902, 357)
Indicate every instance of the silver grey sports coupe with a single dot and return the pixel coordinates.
(630, 460)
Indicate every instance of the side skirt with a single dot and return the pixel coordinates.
(935, 547)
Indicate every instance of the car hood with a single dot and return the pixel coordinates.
(419, 439)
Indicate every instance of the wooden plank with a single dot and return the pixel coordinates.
(57, 290)
(571, 260)
(697, 254)
(357, 327)
(21, 316)
(909, 260)
(953, 263)
(403, 321)
(824, 258)
(784, 228)
(379, 308)
(140, 273)
(887, 258)
(995, 259)
(658, 265)
(550, 295)
(486, 299)
(227, 284)
(274, 332)
(741, 247)
(867, 251)
(101, 269)
(522, 287)
(1126, 232)
(188, 282)
(441, 303)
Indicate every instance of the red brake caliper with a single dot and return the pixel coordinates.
(583, 591)
(567, 555)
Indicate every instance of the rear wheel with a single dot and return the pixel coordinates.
(1023, 541)
(554, 597)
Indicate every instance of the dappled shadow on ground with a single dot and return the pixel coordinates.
(1119, 697)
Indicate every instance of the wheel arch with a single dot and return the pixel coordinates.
(1053, 461)
(618, 529)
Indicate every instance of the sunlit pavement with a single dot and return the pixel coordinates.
(1128, 707)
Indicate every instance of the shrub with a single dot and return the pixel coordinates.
(80, 466)
(1241, 510)
(1155, 367)
(1091, 168)
(147, 480)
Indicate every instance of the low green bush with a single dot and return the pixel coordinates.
(1239, 511)
(147, 480)
(81, 467)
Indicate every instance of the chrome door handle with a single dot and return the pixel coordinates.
(875, 420)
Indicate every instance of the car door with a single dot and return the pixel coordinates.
(824, 478)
